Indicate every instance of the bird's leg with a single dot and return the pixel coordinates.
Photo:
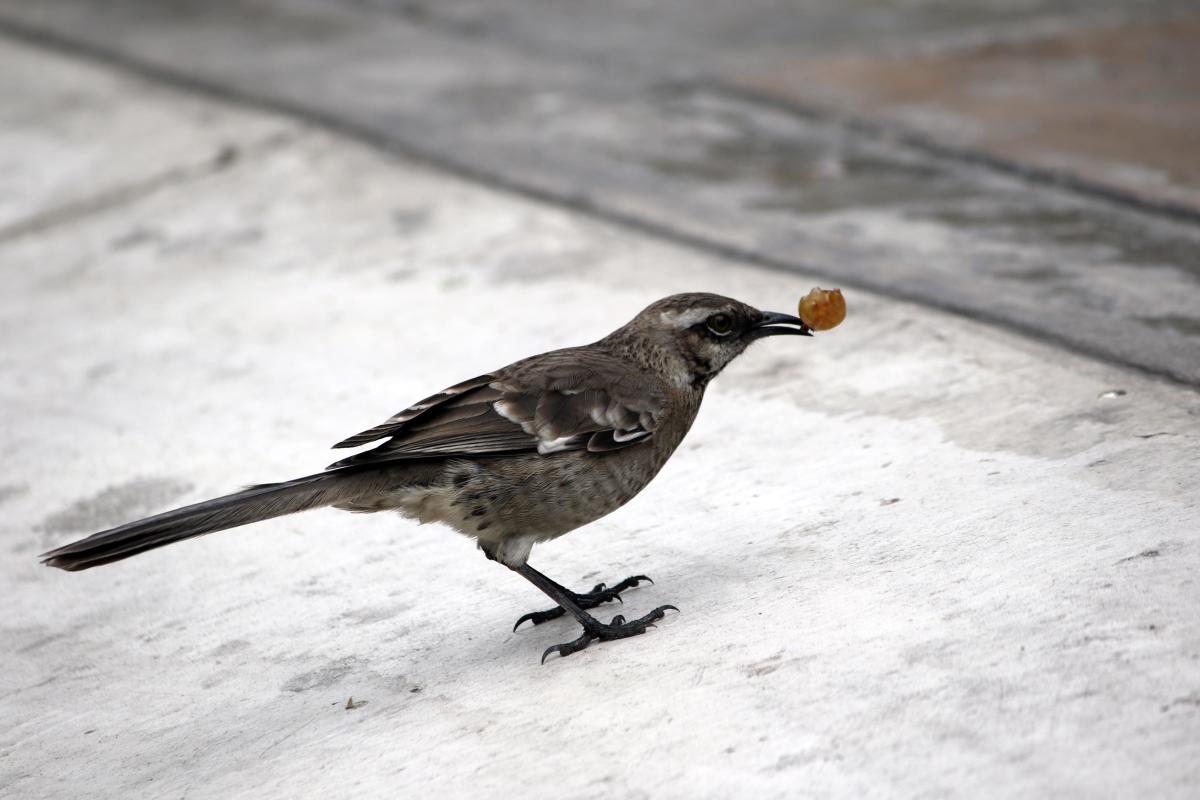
(593, 628)
(599, 595)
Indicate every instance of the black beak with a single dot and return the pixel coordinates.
(773, 324)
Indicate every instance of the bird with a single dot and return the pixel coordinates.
(511, 458)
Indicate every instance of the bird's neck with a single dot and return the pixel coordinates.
(666, 362)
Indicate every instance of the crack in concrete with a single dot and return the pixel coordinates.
(76, 210)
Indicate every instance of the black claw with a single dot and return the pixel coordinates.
(617, 628)
(601, 593)
(538, 617)
(567, 648)
(631, 582)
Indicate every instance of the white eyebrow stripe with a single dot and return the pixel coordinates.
(685, 319)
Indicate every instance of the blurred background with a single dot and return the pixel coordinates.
(947, 549)
(1045, 151)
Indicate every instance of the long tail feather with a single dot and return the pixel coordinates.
(249, 505)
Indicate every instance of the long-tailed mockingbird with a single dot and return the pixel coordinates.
(514, 457)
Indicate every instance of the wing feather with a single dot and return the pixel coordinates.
(564, 400)
(398, 420)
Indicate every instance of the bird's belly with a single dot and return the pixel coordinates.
(504, 499)
(533, 498)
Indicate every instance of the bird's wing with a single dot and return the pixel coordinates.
(397, 421)
(564, 400)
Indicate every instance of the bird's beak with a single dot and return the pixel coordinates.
(775, 324)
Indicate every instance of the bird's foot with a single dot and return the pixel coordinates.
(599, 631)
(599, 595)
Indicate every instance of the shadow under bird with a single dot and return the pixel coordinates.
(515, 457)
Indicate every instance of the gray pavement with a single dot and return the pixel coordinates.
(661, 138)
(920, 555)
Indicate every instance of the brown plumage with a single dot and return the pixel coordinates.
(514, 457)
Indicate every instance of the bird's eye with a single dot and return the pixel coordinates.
(720, 324)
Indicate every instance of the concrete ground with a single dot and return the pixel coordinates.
(698, 122)
(919, 555)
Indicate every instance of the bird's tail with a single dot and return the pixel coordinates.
(249, 505)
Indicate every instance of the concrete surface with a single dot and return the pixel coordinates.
(653, 137)
(1107, 101)
(916, 556)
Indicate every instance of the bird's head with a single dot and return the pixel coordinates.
(692, 337)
